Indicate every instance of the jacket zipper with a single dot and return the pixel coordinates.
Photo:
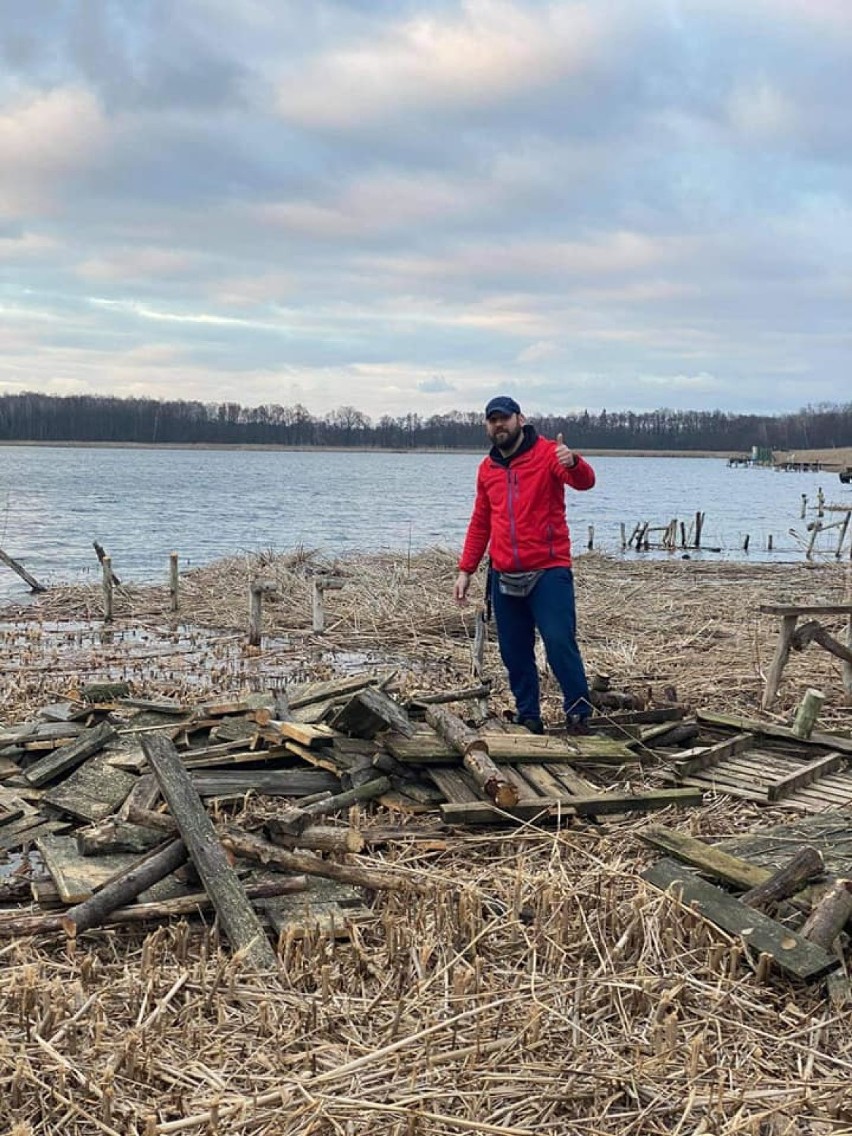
(512, 485)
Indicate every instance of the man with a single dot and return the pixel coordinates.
(519, 514)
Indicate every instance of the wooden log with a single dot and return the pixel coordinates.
(238, 918)
(254, 848)
(293, 820)
(92, 912)
(779, 659)
(830, 915)
(14, 925)
(174, 581)
(784, 882)
(322, 838)
(35, 586)
(480, 642)
(272, 782)
(474, 754)
(69, 756)
(482, 690)
(807, 713)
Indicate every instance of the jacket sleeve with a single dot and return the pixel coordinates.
(579, 476)
(478, 530)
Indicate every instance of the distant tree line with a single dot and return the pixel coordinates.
(33, 417)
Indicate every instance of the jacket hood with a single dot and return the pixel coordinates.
(529, 440)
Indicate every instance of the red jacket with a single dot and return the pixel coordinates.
(520, 508)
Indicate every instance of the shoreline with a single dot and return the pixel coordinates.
(590, 452)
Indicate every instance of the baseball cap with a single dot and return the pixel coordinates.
(502, 404)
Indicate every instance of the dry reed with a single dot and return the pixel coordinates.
(541, 987)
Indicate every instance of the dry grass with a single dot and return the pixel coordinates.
(541, 987)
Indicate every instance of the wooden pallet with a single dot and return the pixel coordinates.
(758, 771)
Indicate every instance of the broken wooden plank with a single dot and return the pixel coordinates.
(592, 805)
(370, 712)
(769, 730)
(707, 858)
(78, 877)
(323, 691)
(813, 771)
(792, 952)
(114, 835)
(69, 756)
(94, 791)
(272, 782)
(311, 737)
(237, 916)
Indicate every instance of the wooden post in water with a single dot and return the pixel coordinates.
(846, 667)
(844, 525)
(816, 528)
(804, 505)
(173, 580)
(623, 536)
(820, 502)
(106, 564)
(699, 523)
(257, 591)
(22, 572)
(101, 555)
(682, 534)
(591, 542)
(745, 542)
(319, 585)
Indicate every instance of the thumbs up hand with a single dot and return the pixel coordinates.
(564, 456)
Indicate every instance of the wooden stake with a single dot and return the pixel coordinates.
(173, 580)
(779, 661)
(808, 713)
(107, 584)
(22, 572)
(257, 590)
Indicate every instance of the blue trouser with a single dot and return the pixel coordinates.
(550, 608)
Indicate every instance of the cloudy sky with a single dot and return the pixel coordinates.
(407, 205)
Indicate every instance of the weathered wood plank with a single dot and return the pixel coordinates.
(769, 730)
(272, 782)
(78, 877)
(708, 859)
(237, 916)
(369, 712)
(714, 754)
(792, 952)
(94, 790)
(324, 691)
(69, 756)
(593, 805)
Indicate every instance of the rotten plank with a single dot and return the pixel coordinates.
(792, 952)
(69, 756)
(236, 914)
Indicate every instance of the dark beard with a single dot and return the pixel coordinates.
(507, 444)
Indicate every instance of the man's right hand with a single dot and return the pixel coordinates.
(460, 589)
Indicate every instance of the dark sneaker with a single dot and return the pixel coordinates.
(577, 727)
(533, 725)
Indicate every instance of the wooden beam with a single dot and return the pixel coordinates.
(768, 730)
(714, 754)
(806, 609)
(69, 756)
(708, 859)
(779, 659)
(792, 952)
(238, 918)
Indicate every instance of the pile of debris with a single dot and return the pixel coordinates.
(130, 803)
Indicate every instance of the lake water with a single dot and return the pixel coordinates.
(141, 504)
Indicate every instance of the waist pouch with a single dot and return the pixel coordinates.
(518, 584)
